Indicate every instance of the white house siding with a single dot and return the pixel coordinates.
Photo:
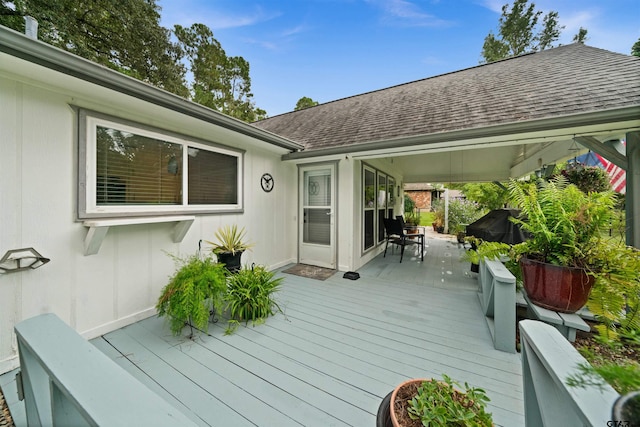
(38, 195)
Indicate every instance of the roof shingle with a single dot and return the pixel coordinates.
(566, 80)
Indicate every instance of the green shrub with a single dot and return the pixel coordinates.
(197, 288)
(462, 213)
(250, 296)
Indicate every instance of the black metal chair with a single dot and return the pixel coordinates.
(396, 234)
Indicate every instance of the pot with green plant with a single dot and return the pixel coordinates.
(230, 245)
(412, 221)
(564, 256)
(250, 296)
(194, 292)
(429, 402)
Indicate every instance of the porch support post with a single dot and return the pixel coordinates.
(633, 189)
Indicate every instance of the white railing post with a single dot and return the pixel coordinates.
(548, 359)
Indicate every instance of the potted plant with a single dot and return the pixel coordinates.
(428, 402)
(569, 249)
(250, 296)
(194, 292)
(230, 246)
(412, 221)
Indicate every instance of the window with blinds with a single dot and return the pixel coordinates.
(129, 169)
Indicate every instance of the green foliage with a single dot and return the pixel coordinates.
(305, 102)
(461, 214)
(230, 239)
(196, 288)
(564, 223)
(569, 228)
(250, 296)
(438, 212)
(219, 81)
(518, 32)
(624, 378)
(635, 49)
(412, 218)
(409, 204)
(441, 403)
(127, 38)
(581, 36)
(487, 195)
(588, 179)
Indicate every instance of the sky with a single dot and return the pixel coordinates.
(332, 49)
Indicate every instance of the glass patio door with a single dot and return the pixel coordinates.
(317, 214)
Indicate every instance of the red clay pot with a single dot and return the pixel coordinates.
(563, 289)
(394, 419)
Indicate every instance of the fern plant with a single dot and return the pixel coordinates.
(250, 296)
(196, 289)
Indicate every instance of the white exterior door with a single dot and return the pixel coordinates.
(317, 216)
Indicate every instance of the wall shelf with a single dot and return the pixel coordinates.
(98, 229)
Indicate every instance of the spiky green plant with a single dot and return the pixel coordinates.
(196, 288)
(230, 239)
(250, 296)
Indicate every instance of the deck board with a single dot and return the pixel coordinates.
(336, 350)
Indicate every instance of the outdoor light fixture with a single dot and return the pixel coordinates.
(21, 259)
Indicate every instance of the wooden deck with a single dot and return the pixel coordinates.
(337, 350)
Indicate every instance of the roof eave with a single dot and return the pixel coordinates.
(624, 114)
(38, 52)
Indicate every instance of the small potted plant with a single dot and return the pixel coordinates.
(428, 402)
(412, 221)
(229, 246)
(194, 292)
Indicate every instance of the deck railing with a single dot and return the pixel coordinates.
(498, 299)
(548, 359)
(66, 381)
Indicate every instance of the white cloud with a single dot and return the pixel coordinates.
(406, 13)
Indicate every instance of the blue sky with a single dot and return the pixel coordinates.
(332, 49)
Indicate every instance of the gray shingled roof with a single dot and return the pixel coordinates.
(556, 82)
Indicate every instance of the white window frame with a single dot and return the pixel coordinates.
(88, 121)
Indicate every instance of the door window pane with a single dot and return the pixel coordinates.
(317, 226)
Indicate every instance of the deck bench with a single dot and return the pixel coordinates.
(567, 323)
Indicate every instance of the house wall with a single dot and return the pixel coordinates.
(38, 196)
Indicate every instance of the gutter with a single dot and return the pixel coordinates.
(624, 114)
(51, 57)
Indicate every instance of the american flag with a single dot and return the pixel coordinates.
(617, 175)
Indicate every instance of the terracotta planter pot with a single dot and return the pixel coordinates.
(394, 419)
(556, 288)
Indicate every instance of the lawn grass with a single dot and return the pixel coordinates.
(426, 217)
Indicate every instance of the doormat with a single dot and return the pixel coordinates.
(310, 271)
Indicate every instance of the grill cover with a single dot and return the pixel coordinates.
(496, 227)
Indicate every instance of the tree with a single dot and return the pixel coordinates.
(219, 82)
(517, 32)
(486, 194)
(305, 102)
(581, 37)
(128, 38)
(635, 49)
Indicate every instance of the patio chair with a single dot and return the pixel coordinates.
(396, 235)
